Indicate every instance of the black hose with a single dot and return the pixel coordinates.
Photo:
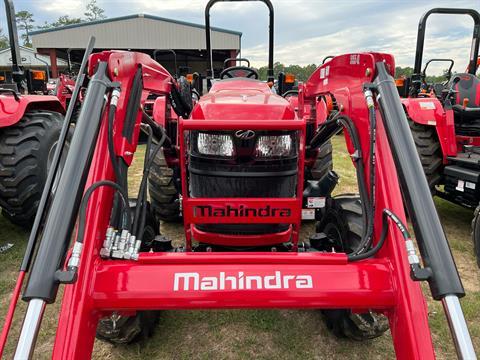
(373, 135)
(111, 149)
(142, 192)
(113, 159)
(367, 213)
(400, 225)
(126, 223)
(141, 196)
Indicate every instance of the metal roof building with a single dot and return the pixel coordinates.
(140, 32)
(30, 60)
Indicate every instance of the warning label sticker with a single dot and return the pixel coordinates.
(315, 202)
(308, 214)
(427, 105)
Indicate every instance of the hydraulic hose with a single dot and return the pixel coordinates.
(378, 246)
(139, 221)
(126, 223)
(141, 192)
(367, 213)
(373, 134)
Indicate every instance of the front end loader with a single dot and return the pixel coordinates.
(242, 153)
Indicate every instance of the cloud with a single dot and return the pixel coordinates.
(355, 27)
(306, 30)
(62, 7)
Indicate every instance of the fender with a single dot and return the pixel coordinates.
(12, 111)
(160, 111)
(430, 112)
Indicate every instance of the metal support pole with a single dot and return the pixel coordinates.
(458, 327)
(30, 327)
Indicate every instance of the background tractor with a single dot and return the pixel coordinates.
(29, 129)
(444, 119)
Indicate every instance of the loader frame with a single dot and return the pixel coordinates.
(95, 286)
(188, 280)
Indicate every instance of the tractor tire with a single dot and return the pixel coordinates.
(343, 223)
(429, 151)
(476, 233)
(323, 164)
(119, 329)
(164, 195)
(26, 150)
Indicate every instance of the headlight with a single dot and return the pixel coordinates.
(274, 146)
(215, 144)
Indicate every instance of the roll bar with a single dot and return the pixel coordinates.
(472, 67)
(156, 51)
(424, 71)
(209, 44)
(17, 71)
(236, 60)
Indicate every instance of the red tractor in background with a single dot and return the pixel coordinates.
(29, 129)
(444, 119)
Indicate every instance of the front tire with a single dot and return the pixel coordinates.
(429, 151)
(343, 224)
(164, 195)
(323, 163)
(119, 329)
(26, 149)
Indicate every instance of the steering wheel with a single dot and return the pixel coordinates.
(239, 71)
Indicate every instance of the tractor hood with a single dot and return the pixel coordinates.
(242, 99)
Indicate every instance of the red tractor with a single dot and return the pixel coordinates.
(243, 154)
(444, 119)
(29, 129)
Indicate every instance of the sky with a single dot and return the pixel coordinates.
(305, 30)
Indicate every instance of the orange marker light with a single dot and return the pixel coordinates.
(289, 78)
(38, 75)
(400, 82)
(189, 78)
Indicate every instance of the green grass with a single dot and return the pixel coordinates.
(260, 334)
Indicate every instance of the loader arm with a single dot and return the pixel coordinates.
(374, 72)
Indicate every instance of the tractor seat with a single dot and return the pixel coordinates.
(438, 89)
(467, 119)
(468, 88)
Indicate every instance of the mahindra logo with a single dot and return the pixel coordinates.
(245, 134)
(240, 211)
(239, 281)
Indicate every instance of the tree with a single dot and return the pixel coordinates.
(301, 72)
(94, 12)
(25, 22)
(3, 40)
(66, 20)
(45, 26)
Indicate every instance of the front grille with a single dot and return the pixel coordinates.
(242, 176)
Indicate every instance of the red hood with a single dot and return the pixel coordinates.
(242, 99)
